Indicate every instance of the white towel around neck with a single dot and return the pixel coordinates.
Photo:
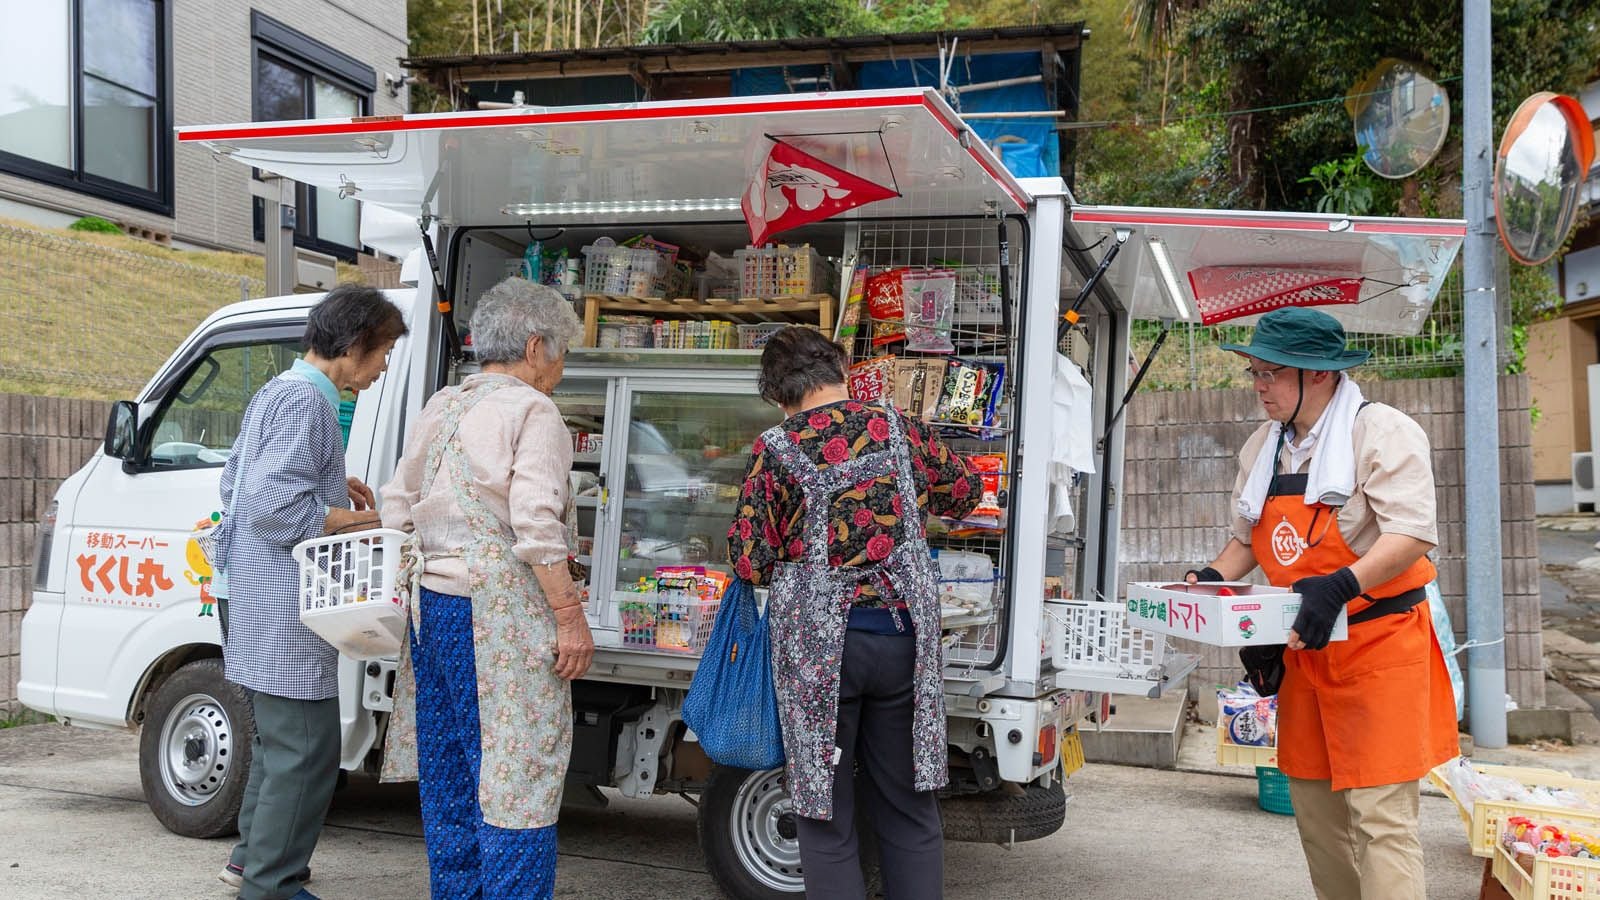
(1332, 476)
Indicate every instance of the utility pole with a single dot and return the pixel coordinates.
(279, 217)
(1486, 660)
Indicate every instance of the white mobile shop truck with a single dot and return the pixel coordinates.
(120, 633)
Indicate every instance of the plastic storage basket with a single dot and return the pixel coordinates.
(1229, 754)
(349, 591)
(782, 271)
(1562, 878)
(754, 337)
(1089, 636)
(1486, 818)
(1272, 791)
(665, 621)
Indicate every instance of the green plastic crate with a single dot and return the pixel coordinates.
(1272, 791)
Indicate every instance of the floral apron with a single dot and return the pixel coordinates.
(524, 708)
(810, 604)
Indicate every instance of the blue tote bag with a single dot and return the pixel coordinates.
(731, 705)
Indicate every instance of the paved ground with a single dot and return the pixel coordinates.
(73, 825)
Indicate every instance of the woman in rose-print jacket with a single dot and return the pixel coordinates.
(831, 518)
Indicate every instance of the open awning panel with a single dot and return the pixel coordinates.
(1376, 275)
(602, 164)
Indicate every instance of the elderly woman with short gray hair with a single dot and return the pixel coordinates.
(497, 628)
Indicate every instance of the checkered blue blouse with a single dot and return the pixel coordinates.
(292, 455)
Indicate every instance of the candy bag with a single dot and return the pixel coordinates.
(928, 301)
(960, 400)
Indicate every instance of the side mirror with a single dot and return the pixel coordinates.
(122, 430)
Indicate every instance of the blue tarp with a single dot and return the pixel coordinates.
(1027, 146)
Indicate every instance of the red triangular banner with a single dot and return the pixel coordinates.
(792, 187)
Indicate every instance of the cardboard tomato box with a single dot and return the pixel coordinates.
(1225, 614)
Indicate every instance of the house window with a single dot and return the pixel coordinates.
(296, 77)
(84, 98)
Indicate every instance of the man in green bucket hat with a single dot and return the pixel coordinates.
(1335, 500)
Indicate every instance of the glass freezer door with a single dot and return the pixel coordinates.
(683, 459)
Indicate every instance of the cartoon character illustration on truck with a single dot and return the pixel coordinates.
(199, 572)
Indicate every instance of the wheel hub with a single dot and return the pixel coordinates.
(196, 749)
(765, 832)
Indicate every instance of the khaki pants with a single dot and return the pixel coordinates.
(1362, 843)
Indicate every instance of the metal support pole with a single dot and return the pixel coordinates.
(278, 219)
(1486, 660)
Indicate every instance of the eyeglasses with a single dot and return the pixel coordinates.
(1265, 376)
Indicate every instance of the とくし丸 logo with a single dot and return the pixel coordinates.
(1247, 627)
(1286, 543)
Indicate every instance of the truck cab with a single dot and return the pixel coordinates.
(121, 635)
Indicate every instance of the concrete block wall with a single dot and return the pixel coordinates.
(1182, 457)
(42, 441)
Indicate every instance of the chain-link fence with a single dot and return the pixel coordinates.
(85, 320)
(1192, 357)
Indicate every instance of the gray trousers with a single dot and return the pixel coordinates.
(294, 768)
(875, 714)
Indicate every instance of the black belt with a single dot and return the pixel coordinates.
(1390, 606)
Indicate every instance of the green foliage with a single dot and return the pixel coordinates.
(95, 224)
(1348, 187)
(679, 21)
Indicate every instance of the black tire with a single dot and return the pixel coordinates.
(194, 751)
(759, 857)
(996, 817)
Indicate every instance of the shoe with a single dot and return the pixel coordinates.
(305, 895)
(233, 876)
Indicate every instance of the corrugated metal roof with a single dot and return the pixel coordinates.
(930, 39)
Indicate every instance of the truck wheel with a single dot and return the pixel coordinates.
(748, 834)
(194, 751)
(995, 817)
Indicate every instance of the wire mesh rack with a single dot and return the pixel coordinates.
(955, 264)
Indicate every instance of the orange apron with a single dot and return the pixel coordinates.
(1371, 710)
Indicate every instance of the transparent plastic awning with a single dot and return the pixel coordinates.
(1376, 275)
(602, 164)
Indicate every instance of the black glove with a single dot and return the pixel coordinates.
(1321, 598)
(1205, 574)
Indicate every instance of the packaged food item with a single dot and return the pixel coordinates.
(994, 388)
(916, 386)
(1247, 719)
(990, 467)
(533, 262)
(872, 379)
(960, 396)
(850, 315)
(966, 582)
(886, 305)
(928, 299)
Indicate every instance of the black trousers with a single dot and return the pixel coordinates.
(875, 714)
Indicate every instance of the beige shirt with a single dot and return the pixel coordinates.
(519, 453)
(1394, 479)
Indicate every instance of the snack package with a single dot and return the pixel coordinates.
(994, 388)
(991, 468)
(850, 316)
(928, 299)
(1247, 719)
(872, 379)
(886, 305)
(532, 265)
(916, 386)
(960, 398)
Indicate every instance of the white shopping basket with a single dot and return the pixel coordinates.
(349, 591)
